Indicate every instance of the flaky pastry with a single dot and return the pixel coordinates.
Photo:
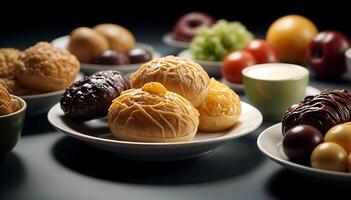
(152, 114)
(178, 75)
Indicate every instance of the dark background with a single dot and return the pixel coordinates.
(24, 23)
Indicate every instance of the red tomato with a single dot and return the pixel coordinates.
(262, 51)
(234, 63)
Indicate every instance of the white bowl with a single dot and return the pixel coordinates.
(175, 43)
(270, 144)
(41, 103)
(213, 68)
(62, 42)
(96, 133)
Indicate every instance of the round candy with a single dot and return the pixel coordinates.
(300, 141)
(329, 156)
(341, 135)
(110, 57)
(139, 55)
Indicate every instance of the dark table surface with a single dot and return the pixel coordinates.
(46, 164)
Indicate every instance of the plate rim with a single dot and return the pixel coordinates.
(105, 141)
(291, 165)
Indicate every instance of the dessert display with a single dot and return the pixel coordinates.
(215, 42)
(317, 131)
(326, 54)
(85, 43)
(39, 69)
(290, 36)
(106, 44)
(8, 59)
(110, 57)
(91, 97)
(220, 110)
(8, 104)
(152, 114)
(178, 75)
(187, 25)
(45, 68)
(323, 111)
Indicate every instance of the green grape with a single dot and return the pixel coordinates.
(215, 42)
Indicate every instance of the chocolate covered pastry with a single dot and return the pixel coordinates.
(323, 111)
(91, 97)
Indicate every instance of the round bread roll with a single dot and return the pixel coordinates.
(8, 59)
(85, 43)
(45, 68)
(16, 88)
(178, 75)
(220, 110)
(152, 114)
(118, 37)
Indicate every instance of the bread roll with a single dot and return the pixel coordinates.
(118, 37)
(152, 114)
(220, 110)
(45, 68)
(178, 75)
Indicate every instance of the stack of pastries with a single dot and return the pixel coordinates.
(39, 69)
(170, 99)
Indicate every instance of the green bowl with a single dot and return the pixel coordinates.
(273, 92)
(11, 127)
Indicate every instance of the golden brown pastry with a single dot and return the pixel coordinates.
(178, 75)
(85, 43)
(118, 37)
(8, 104)
(220, 110)
(8, 58)
(16, 88)
(152, 114)
(45, 68)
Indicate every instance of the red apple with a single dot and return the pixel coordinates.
(326, 54)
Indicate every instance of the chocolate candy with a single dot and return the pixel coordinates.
(329, 156)
(110, 57)
(341, 135)
(91, 97)
(323, 111)
(300, 141)
(139, 55)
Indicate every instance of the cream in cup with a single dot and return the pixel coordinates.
(274, 87)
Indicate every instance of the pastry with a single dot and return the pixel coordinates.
(152, 114)
(45, 68)
(85, 43)
(323, 111)
(220, 110)
(118, 37)
(8, 104)
(8, 58)
(16, 88)
(91, 97)
(178, 75)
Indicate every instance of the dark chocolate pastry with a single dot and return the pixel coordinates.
(323, 111)
(91, 97)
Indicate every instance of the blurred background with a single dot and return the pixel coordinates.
(24, 23)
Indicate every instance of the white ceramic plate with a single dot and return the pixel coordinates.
(174, 43)
(213, 68)
(96, 133)
(239, 88)
(270, 144)
(41, 103)
(62, 42)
